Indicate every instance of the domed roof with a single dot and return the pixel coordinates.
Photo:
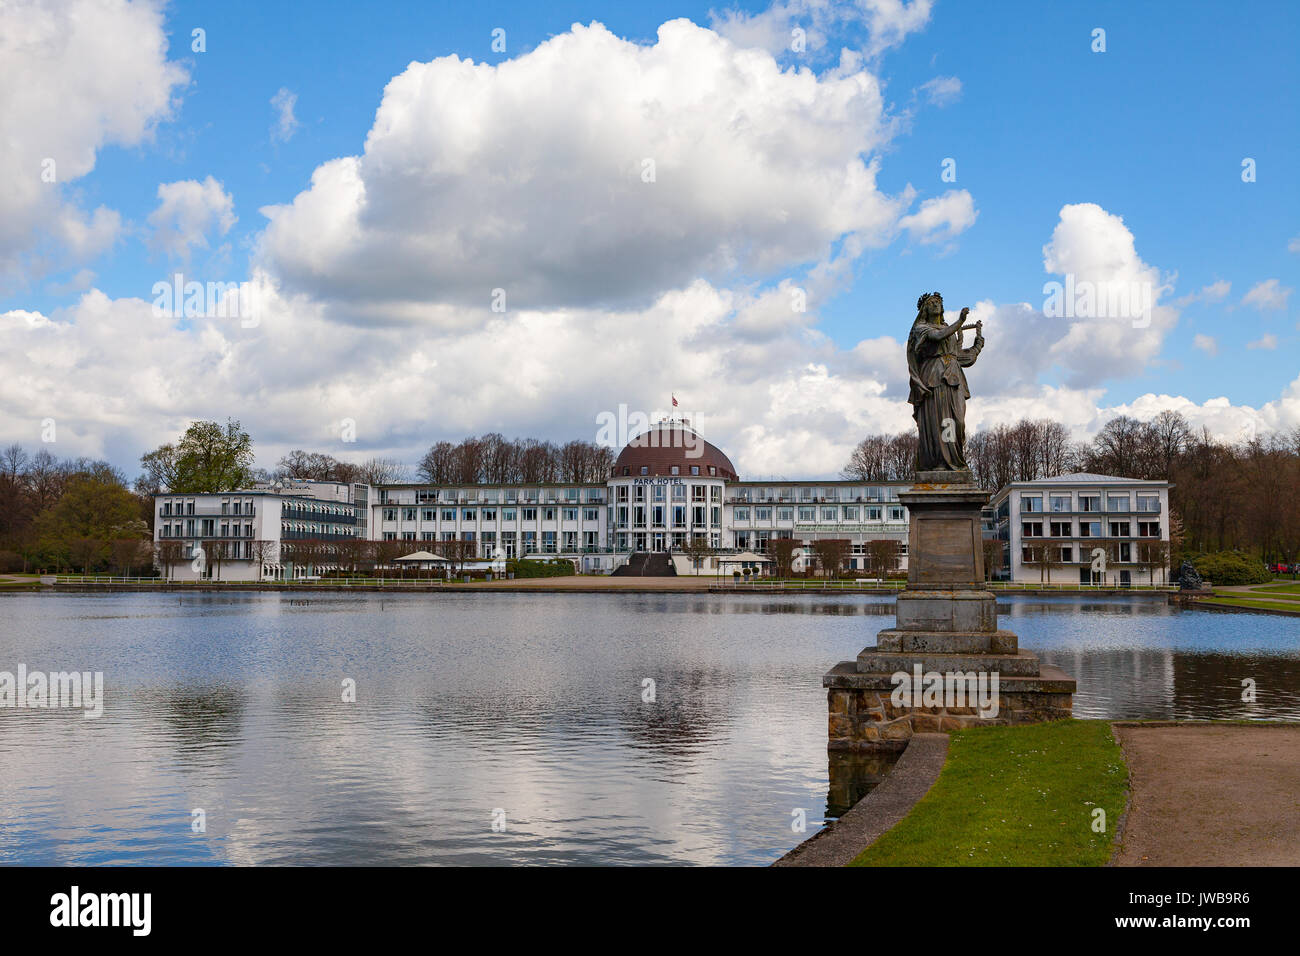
(667, 445)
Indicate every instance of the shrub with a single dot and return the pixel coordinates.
(540, 569)
(1231, 567)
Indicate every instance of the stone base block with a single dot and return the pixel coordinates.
(947, 642)
(864, 718)
(947, 610)
(1022, 663)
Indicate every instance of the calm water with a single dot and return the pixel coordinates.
(531, 704)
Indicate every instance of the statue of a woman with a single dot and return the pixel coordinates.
(935, 359)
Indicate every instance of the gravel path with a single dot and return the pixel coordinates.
(1220, 795)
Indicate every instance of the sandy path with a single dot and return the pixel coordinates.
(1212, 796)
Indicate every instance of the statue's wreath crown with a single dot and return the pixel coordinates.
(921, 301)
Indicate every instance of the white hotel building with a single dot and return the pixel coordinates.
(1053, 529)
(667, 486)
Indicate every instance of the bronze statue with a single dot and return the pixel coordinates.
(935, 359)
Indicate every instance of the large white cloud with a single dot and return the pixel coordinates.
(533, 176)
(75, 76)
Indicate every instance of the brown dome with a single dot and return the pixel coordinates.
(663, 447)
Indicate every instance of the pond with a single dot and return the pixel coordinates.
(510, 728)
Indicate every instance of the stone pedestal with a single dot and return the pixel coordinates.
(946, 625)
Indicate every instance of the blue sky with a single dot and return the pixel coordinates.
(1153, 131)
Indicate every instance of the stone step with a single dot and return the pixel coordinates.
(1049, 680)
(872, 660)
(947, 642)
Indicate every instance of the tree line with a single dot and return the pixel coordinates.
(1242, 495)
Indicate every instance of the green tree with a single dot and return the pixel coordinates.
(91, 509)
(207, 458)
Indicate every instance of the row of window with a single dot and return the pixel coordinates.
(493, 496)
(823, 513)
(1088, 502)
(1089, 529)
(510, 541)
(816, 495)
(448, 515)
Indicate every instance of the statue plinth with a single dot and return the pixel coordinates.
(946, 624)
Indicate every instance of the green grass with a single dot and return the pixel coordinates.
(1279, 590)
(1014, 796)
(1251, 603)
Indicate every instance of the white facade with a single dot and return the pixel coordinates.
(1083, 529)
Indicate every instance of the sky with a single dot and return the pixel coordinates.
(449, 219)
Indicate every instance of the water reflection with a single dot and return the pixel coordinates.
(529, 703)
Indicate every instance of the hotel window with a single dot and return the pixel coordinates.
(897, 514)
(408, 535)
(659, 493)
(697, 492)
(807, 514)
(1089, 529)
(851, 513)
(1031, 529)
(570, 541)
(1060, 503)
(589, 540)
(695, 469)
(489, 514)
(508, 514)
(548, 514)
(467, 536)
(874, 513)
(426, 514)
(638, 493)
(548, 542)
(784, 514)
(675, 470)
(1067, 554)
(763, 514)
(166, 531)
(467, 514)
(408, 514)
(828, 514)
(1031, 503)
(530, 541)
(570, 514)
(1149, 504)
(1062, 529)
(697, 515)
(622, 493)
(511, 496)
(1148, 529)
(679, 515)
(390, 514)
(679, 492)
(716, 515)
(742, 514)
(1117, 503)
(1089, 502)
(1125, 551)
(570, 494)
(447, 536)
(530, 514)
(590, 514)
(645, 470)
(448, 514)
(715, 493)
(638, 516)
(426, 535)
(713, 470)
(390, 535)
(1119, 529)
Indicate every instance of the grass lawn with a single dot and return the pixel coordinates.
(1014, 796)
(1281, 604)
(1279, 590)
